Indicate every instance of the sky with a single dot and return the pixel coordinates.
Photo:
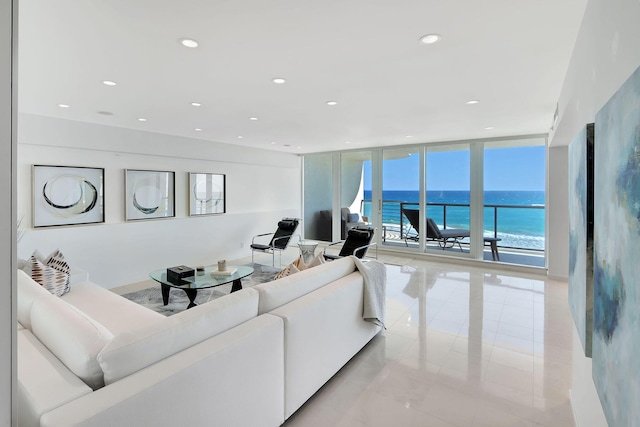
(505, 169)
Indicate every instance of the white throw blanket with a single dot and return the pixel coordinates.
(375, 290)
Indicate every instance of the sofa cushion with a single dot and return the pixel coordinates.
(279, 292)
(114, 312)
(332, 317)
(132, 351)
(28, 292)
(44, 383)
(72, 336)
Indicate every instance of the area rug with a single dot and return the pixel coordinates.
(178, 301)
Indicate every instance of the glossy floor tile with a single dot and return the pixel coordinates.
(464, 346)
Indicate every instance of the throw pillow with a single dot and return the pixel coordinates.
(57, 261)
(287, 271)
(299, 263)
(52, 274)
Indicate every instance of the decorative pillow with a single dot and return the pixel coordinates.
(299, 263)
(57, 261)
(53, 273)
(287, 271)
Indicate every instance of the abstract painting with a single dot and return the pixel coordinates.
(616, 311)
(581, 234)
(206, 194)
(149, 194)
(65, 195)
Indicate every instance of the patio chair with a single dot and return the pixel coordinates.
(279, 240)
(357, 243)
(446, 238)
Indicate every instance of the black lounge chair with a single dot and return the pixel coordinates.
(357, 243)
(446, 238)
(279, 241)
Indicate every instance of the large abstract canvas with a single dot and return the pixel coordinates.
(581, 234)
(616, 311)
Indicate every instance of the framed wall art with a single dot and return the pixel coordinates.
(67, 195)
(149, 194)
(206, 193)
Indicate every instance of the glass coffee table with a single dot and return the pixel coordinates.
(190, 285)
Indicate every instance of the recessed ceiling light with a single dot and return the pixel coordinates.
(279, 80)
(489, 127)
(198, 130)
(332, 103)
(273, 143)
(299, 147)
(430, 38)
(347, 142)
(253, 118)
(108, 82)
(189, 43)
(472, 101)
(142, 119)
(409, 136)
(63, 106)
(196, 104)
(240, 136)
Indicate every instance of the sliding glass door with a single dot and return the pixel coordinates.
(448, 199)
(400, 192)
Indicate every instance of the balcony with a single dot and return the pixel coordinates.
(520, 228)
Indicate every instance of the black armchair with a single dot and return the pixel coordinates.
(279, 240)
(357, 243)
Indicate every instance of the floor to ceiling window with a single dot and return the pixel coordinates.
(355, 182)
(514, 199)
(448, 198)
(317, 208)
(477, 199)
(400, 191)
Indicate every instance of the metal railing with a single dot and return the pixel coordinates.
(392, 215)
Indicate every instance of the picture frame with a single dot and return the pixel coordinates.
(149, 194)
(207, 194)
(67, 195)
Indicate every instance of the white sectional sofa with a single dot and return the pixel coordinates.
(251, 358)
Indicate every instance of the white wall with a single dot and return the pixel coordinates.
(7, 221)
(262, 187)
(607, 51)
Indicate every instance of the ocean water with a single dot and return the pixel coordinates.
(518, 215)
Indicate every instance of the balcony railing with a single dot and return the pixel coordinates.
(521, 229)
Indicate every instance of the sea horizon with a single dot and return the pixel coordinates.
(520, 226)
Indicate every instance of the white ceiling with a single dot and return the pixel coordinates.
(512, 55)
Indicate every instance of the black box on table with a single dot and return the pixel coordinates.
(176, 274)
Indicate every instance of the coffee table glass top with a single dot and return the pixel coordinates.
(207, 280)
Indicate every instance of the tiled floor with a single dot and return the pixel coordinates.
(464, 347)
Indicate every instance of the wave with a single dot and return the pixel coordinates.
(521, 241)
